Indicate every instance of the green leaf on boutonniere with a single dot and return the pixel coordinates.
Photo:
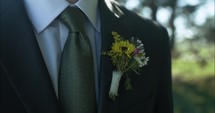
(127, 84)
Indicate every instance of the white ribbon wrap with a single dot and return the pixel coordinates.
(116, 77)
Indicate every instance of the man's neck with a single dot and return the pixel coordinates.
(72, 1)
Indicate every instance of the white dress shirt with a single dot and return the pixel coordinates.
(51, 33)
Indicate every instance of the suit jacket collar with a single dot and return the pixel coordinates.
(112, 19)
(24, 64)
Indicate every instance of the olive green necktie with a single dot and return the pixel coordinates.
(76, 77)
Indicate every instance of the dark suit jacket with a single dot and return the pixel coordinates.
(25, 81)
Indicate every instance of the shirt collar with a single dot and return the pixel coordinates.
(43, 12)
(89, 7)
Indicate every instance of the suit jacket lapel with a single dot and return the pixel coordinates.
(109, 22)
(24, 63)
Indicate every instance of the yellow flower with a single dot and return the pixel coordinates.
(123, 47)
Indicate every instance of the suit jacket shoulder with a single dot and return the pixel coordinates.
(139, 24)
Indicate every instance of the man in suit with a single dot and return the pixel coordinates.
(32, 40)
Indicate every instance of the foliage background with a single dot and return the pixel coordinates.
(191, 26)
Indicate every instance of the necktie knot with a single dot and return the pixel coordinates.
(73, 18)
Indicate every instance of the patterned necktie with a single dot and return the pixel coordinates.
(76, 77)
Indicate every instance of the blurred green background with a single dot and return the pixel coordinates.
(190, 24)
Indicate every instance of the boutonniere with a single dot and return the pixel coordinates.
(126, 56)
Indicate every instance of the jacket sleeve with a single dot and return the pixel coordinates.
(164, 102)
